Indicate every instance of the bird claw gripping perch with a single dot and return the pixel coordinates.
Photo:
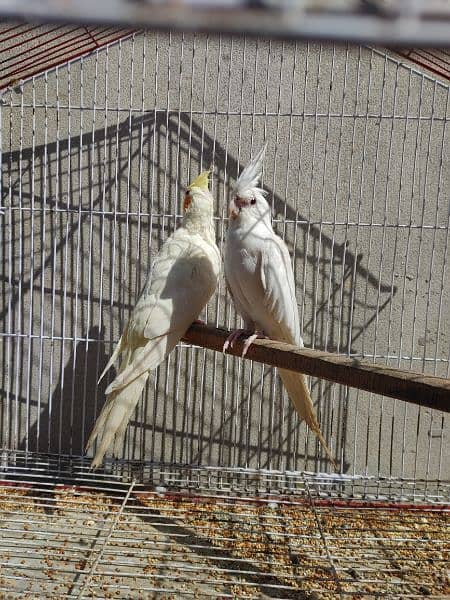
(238, 333)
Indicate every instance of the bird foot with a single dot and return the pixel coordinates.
(237, 333)
(234, 335)
(249, 341)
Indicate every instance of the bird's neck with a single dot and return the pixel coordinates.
(200, 223)
(247, 220)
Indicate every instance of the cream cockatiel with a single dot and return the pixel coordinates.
(260, 279)
(182, 279)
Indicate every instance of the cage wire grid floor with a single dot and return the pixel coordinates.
(68, 532)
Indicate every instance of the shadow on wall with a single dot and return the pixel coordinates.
(75, 281)
(65, 423)
(202, 149)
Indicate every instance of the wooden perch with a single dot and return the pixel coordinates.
(425, 390)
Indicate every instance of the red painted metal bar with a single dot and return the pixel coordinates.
(49, 48)
(27, 50)
(434, 60)
(56, 45)
(14, 35)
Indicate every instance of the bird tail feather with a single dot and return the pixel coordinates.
(124, 392)
(117, 350)
(297, 389)
(113, 420)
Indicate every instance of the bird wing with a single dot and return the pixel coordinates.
(277, 280)
(182, 279)
(262, 285)
(237, 295)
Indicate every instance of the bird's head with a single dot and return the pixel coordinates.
(198, 199)
(247, 198)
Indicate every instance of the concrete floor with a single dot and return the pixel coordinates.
(95, 156)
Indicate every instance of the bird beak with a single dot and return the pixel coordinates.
(235, 207)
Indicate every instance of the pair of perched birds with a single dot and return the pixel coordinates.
(183, 278)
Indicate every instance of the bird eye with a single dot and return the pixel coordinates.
(253, 201)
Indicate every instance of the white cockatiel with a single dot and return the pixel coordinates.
(182, 279)
(260, 279)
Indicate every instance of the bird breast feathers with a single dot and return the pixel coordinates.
(182, 279)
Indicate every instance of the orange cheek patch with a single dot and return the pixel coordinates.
(187, 202)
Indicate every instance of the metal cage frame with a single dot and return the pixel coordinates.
(89, 191)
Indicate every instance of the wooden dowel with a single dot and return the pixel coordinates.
(425, 390)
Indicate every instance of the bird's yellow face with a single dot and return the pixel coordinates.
(200, 184)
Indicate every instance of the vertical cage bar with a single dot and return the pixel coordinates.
(90, 266)
(375, 179)
(400, 350)
(78, 292)
(42, 267)
(420, 413)
(19, 341)
(31, 271)
(380, 269)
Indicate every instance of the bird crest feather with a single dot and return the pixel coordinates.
(247, 184)
(201, 181)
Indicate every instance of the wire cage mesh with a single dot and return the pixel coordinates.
(95, 155)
